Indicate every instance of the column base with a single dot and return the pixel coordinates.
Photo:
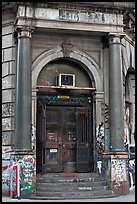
(23, 182)
(115, 170)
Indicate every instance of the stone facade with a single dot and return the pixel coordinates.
(86, 34)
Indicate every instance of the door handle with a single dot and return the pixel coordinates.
(61, 145)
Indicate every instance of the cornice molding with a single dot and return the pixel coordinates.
(107, 7)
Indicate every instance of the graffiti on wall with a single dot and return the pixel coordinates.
(7, 137)
(6, 168)
(14, 184)
(127, 132)
(28, 166)
(6, 124)
(118, 172)
(33, 137)
(129, 148)
(100, 138)
(107, 141)
(106, 113)
(99, 146)
(7, 83)
(7, 109)
(27, 173)
(132, 173)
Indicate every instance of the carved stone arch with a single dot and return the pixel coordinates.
(78, 56)
(90, 66)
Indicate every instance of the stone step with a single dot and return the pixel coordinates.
(61, 186)
(54, 179)
(67, 175)
(77, 194)
(71, 185)
(72, 188)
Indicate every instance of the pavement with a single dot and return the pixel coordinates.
(130, 197)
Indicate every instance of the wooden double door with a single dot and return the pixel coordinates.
(65, 142)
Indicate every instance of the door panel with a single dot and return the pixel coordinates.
(64, 137)
(52, 154)
(39, 134)
(60, 139)
(69, 139)
(84, 143)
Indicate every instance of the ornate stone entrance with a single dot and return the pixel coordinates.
(64, 133)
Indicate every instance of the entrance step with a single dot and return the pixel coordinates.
(71, 186)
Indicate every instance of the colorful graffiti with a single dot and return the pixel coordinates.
(15, 183)
(6, 169)
(27, 173)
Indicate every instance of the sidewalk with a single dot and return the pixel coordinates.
(124, 198)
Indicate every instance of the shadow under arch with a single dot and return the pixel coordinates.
(79, 57)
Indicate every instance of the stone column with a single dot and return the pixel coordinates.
(23, 155)
(116, 103)
(115, 162)
(23, 92)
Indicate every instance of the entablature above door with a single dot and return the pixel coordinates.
(66, 19)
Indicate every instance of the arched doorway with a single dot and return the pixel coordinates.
(64, 134)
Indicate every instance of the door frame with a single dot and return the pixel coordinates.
(76, 100)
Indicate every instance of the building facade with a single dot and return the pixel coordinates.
(68, 91)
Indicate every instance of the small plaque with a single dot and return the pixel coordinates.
(63, 97)
(53, 150)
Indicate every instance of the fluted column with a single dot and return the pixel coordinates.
(23, 91)
(116, 110)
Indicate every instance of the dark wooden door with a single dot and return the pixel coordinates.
(64, 135)
(59, 152)
(84, 150)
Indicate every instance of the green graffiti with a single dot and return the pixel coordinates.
(27, 187)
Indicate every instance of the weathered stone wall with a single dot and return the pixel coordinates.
(8, 83)
(8, 96)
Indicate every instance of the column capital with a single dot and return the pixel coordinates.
(24, 32)
(115, 37)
